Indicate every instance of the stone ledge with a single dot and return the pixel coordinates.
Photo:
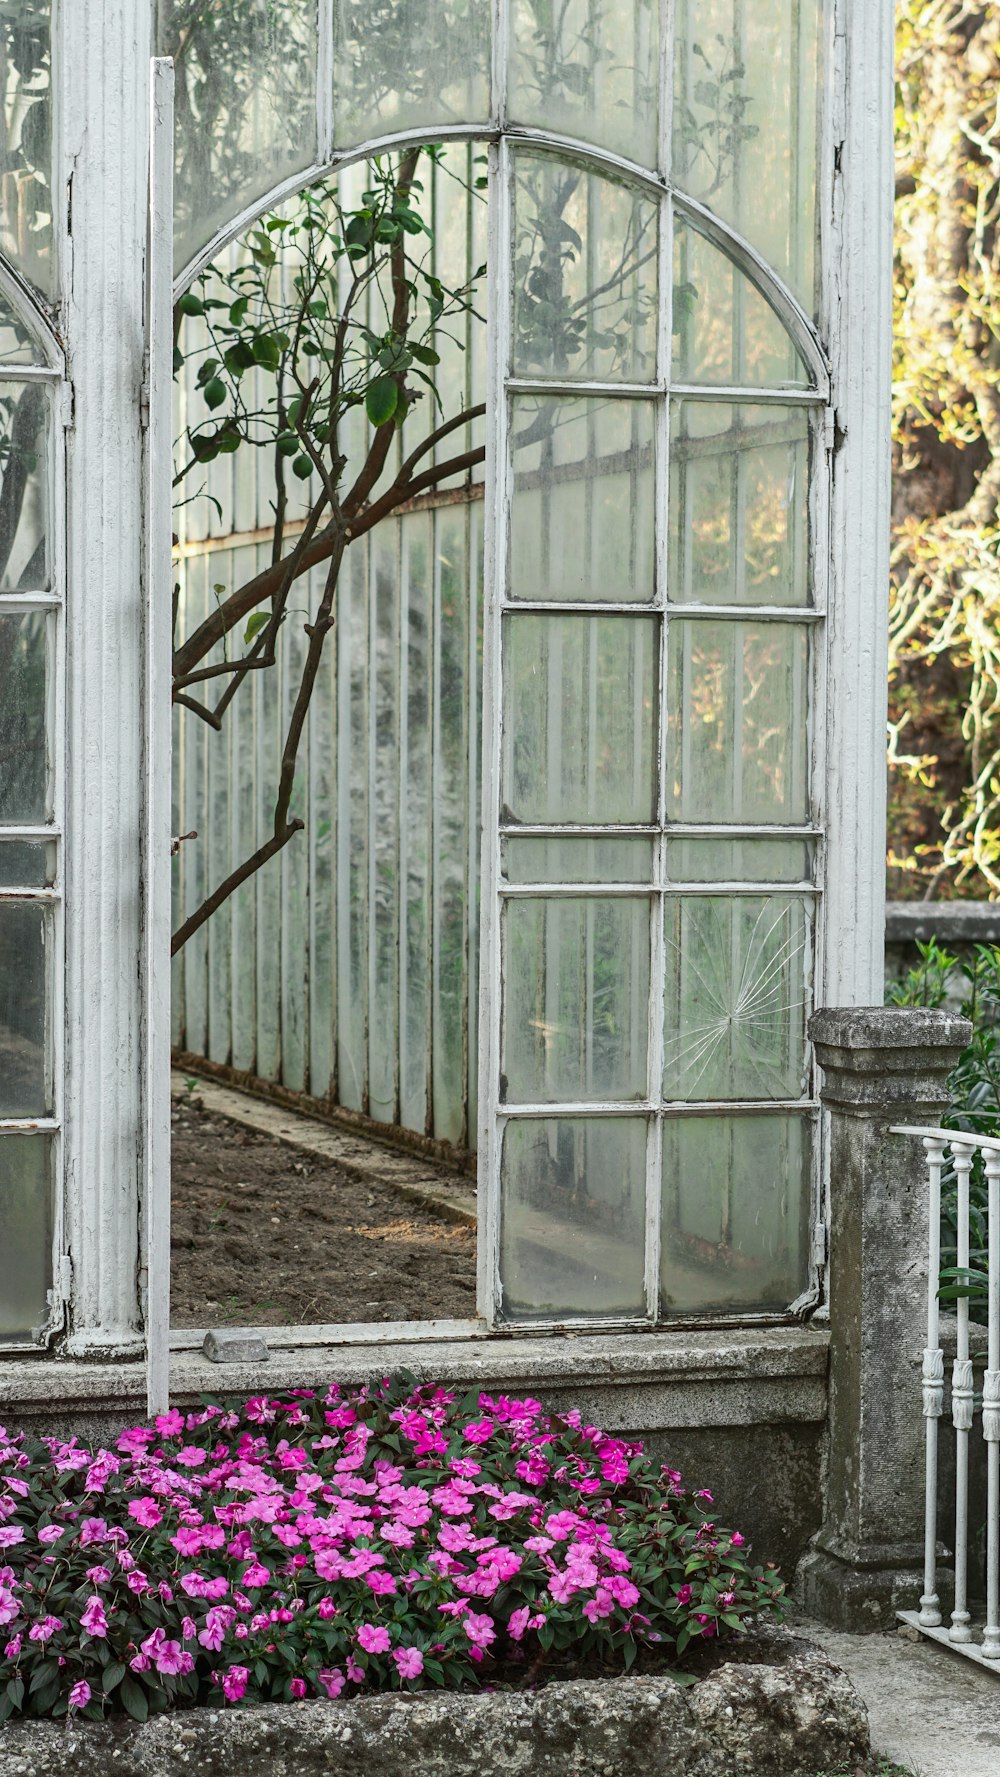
(789, 1712)
(749, 1376)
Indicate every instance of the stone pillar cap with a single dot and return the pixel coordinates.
(889, 1027)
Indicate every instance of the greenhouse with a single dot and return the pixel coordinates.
(470, 420)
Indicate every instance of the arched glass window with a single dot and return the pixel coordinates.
(649, 735)
(31, 796)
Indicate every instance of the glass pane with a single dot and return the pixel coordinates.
(245, 106)
(24, 428)
(26, 144)
(575, 1000)
(584, 273)
(736, 986)
(24, 753)
(27, 863)
(573, 1205)
(16, 342)
(739, 505)
(582, 513)
(25, 1088)
(400, 64)
(26, 1218)
(737, 702)
(725, 332)
(745, 123)
(741, 860)
(736, 1195)
(579, 701)
(577, 860)
(588, 71)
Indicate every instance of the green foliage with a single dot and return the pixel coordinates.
(299, 308)
(974, 1088)
(944, 755)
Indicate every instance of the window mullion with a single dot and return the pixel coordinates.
(498, 474)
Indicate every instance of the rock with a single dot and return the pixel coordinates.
(779, 1708)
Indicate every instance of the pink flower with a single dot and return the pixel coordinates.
(171, 1659)
(381, 1583)
(332, 1681)
(297, 1688)
(518, 1622)
(10, 1534)
(93, 1618)
(683, 1594)
(373, 1638)
(409, 1661)
(479, 1628)
(145, 1511)
(191, 1456)
(737, 1540)
(44, 1629)
(13, 1648)
(92, 1530)
(355, 1672)
(189, 1628)
(9, 1607)
(234, 1683)
(80, 1694)
(169, 1424)
(255, 1575)
(98, 1576)
(50, 1533)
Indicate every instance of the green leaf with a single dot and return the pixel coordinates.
(237, 313)
(15, 1691)
(190, 304)
(134, 1699)
(381, 400)
(215, 392)
(112, 1675)
(258, 621)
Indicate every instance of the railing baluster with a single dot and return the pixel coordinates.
(962, 1403)
(991, 1416)
(933, 1386)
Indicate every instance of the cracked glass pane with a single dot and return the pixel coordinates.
(736, 997)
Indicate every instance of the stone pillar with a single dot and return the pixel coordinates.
(883, 1065)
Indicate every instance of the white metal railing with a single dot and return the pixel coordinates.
(959, 1634)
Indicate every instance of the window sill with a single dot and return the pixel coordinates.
(742, 1376)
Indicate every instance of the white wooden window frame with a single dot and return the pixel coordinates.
(49, 369)
(114, 1026)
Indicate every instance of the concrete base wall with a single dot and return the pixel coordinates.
(742, 1413)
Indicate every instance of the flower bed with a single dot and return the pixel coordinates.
(388, 1536)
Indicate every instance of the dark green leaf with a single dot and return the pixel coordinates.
(133, 1698)
(381, 400)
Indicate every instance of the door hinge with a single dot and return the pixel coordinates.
(67, 406)
(65, 1279)
(819, 1244)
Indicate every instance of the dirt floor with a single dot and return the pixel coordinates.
(263, 1236)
